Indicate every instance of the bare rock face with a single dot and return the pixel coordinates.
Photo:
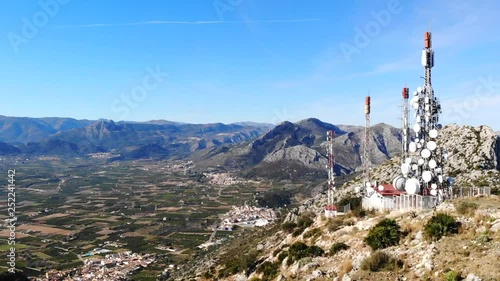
(303, 154)
(471, 147)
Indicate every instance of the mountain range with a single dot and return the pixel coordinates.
(288, 150)
(299, 149)
(159, 138)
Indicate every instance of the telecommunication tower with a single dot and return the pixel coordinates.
(423, 167)
(366, 148)
(330, 208)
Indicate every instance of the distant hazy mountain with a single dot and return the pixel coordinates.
(25, 129)
(7, 149)
(132, 140)
(302, 145)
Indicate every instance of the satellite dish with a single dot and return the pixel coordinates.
(412, 147)
(427, 107)
(432, 164)
(368, 185)
(408, 160)
(399, 183)
(369, 190)
(414, 100)
(419, 89)
(439, 126)
(427, 100)
(422, 140)
(415, 105)
(416, 128)
(405, 168)
(419, 145)
(434, 186)
(415, 93)
(433, 133)
(425, 153)
(427, 176)
(434, 192)
(431, 145)
(380, 187)
(440, 179)
(451, 181)
(414, 167)
(412, 186)
(438, 170)
(420, 162)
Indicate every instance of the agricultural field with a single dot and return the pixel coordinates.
(67, 208)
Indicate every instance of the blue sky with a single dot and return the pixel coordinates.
(246, 60)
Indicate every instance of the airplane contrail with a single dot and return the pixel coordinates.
(183, 22)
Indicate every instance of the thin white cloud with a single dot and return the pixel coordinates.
(183, 23)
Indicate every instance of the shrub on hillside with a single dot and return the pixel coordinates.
(299, 250)
(440, 225)
(268, 269)
(288, 227)
(303, 222)
(238, 264)
(452, 276)
(380, 261)
(384, 234)
(337, 247)
(312, 232)
(465, 208)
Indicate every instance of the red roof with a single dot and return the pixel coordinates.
(330, 208)
(389, 190)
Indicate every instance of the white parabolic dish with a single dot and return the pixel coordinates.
(425, 153)
(412, 147)
(434, 192)
(433, 133)
(431, 145)
(416, 128)
(399, 183)
(412, 186)
(405, 168)
(427, 176)
(432, 163)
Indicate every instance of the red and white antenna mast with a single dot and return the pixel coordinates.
(366, 149)
(405, 125)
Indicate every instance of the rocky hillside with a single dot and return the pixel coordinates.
(303, 144)
(307, 246)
